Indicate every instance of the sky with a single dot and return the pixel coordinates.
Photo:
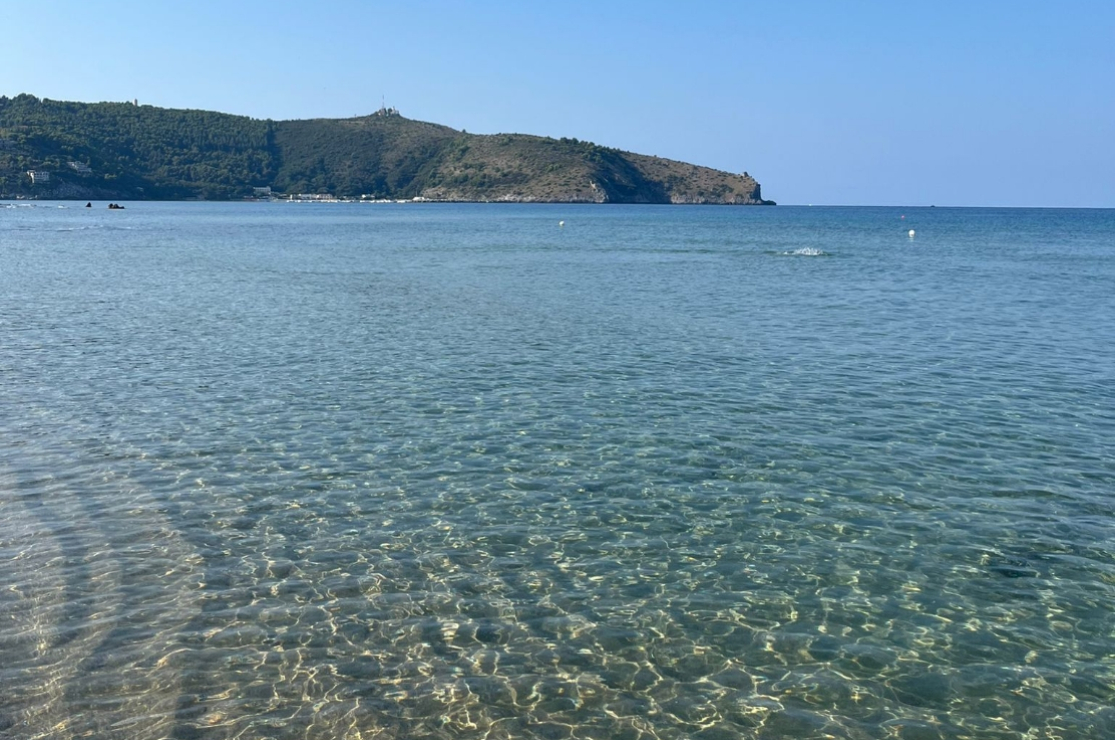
(975, 103)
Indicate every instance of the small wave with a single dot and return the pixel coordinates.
(807, 252)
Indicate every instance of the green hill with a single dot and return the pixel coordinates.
(123, 151)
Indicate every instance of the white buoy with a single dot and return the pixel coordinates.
(561, 224)
(911, 233)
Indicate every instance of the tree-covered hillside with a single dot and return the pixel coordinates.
(131, 152)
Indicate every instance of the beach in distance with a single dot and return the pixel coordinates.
(434, 470)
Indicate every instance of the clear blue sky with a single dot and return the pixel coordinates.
(947, 103)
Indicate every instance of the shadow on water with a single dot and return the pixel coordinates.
(101, 587)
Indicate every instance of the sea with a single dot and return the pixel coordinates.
(343, 470)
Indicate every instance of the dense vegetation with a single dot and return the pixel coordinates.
(131, 152)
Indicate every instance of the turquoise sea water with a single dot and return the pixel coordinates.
(454, 471)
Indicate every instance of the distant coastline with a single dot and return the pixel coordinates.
(57, 150)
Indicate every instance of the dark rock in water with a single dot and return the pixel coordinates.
(1015, 571)
(1015, 565)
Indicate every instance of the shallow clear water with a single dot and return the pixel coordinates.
(341, 471)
